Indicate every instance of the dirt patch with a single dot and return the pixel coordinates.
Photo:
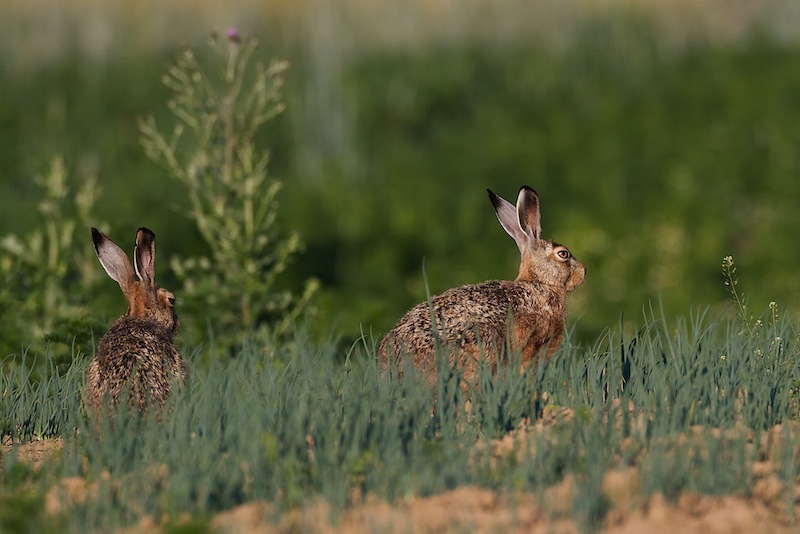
(465, 509)
(470, 509)
(697, 514)
(33, 453)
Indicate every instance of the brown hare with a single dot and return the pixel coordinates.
(137, 352)
(473, 321)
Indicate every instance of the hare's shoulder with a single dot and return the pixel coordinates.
(137, 331)
(138, 324)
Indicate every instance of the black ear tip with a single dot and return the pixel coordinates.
(494, 199)
(528, 189)
(145, 237)
(98, 239)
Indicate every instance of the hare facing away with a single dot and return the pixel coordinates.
(137, 352)
(481, 320)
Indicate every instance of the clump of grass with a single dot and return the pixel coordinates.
(39, 400)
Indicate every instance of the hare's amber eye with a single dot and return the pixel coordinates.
(168, 297)
(563, 254)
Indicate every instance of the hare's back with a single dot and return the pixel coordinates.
(462, 315)
(485, 306)
(134, 343)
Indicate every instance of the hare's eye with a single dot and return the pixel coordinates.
(166, 296)
(563, 254)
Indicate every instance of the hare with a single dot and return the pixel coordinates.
(482, 320)
(137, 352)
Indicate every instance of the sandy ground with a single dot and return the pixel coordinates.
(473, 509)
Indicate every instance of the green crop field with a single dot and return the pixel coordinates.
(699, 407)
(314, 170)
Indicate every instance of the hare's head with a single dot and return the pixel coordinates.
(145, 299)
(542, 261)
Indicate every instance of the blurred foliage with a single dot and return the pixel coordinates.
(653, 161)
(22, 513)
(212, 152)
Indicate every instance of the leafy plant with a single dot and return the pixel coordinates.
(48, 275)
(213, 153)
(737, 296)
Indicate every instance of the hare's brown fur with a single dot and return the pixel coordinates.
(526, 315)
(137, 352)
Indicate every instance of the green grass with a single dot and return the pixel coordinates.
(286, 422)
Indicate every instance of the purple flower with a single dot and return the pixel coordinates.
(233, 35)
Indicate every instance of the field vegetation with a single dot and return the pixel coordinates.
(701, 408)
(319, 169)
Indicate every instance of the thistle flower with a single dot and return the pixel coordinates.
(233, 35)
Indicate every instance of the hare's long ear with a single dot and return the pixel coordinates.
(144, 256)
(114, 260)
(528, 212)
(507, 215)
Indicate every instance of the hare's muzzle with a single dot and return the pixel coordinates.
(577, 274)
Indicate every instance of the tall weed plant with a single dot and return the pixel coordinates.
(48, 275)
(220, 106)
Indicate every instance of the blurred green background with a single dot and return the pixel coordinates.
(661, 137)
